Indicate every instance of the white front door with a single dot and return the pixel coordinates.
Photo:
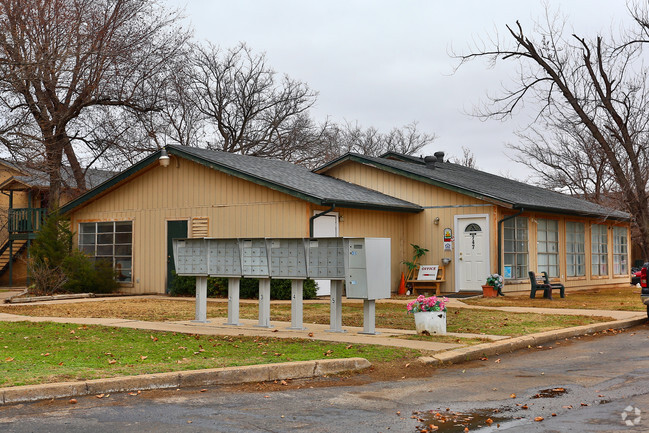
(471, 252)
(325, 226)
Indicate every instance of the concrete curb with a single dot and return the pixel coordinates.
(478, 351)
(180, 379)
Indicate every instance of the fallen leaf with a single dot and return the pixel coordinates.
(143, 357)
(350, 346)
(61, 363)
(73, 401)
(100, 395)
(538, 418)
(513, 396)
(567, 407)
(489, 421)
(524, 407)
(204, 390)
(283, 382)
(407, 365)
(398, 412)
(9, 360)
(45, 354)
(484, 358)
(497, 361)
(310, 334)
(584, 404)
(112, 361)
(554, 414)
(132, 393)
(153, 338)
(189, 422)
(275, 330)
(267, 396)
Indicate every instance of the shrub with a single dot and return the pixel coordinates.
(87, 275)
(54, 267)
(248, 288)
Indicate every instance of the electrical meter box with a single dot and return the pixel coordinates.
(223, 258)
(254, 257)
(190, 256)
(367, 266)
(326, 258)
(287, 258)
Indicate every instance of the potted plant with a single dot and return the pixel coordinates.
(430, 314)
(493, 286)
(418, 253)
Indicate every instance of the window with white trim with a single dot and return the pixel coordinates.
(599, 249)
(620, 251)
(575, 249)
(515, 246)
(111, 241)
(547, 246)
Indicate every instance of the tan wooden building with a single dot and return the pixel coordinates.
(132, 218)
(497, 225)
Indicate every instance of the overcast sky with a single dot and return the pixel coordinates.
(387, 63)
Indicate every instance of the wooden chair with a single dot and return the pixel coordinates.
(554, 286)
(425, 285)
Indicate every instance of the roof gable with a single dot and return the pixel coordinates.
(275, 174)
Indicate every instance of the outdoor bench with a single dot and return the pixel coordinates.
(543, 283)
(425, 285)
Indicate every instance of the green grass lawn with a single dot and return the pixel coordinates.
(32, 353)
(388, 315)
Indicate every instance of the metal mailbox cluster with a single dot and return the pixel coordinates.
(363, 263)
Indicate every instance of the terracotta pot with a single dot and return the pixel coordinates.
(489, 291)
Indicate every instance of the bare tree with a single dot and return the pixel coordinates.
(467, 159)
(352, 137)
(247, 107)
(64, 61)
(591, 91)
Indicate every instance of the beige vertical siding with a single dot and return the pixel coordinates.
(445, 204)
(183, 190)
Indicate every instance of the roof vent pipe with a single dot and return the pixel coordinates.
(439, 156)
(430, 162)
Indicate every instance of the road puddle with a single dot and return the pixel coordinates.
(446, 421)
(550, 393)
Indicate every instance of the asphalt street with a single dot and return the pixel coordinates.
(588, 384)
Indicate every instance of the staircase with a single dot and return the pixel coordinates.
(18, 247)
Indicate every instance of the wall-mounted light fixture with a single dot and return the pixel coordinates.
(164, 158)
(436, 221)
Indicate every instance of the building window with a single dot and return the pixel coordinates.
(599, 249)
(515, 246)
(620, 251)
(547, 246)
(110, 241)
(575, 249)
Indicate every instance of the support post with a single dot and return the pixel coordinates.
(264, 303)
(201, 299)
(369, 317)
(336, 311)
(297, 305)
(233, 301)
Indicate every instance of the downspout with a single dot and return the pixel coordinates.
(500, 243)
(333, 206)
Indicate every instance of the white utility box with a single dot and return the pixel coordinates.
(326, 258)
(287, 258)
(367, 262)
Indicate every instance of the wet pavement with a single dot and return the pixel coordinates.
(585, 384)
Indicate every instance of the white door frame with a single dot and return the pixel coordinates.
(456, 222)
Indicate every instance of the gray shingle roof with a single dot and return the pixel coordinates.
(39, 179)
(488, 186)
(295, 179)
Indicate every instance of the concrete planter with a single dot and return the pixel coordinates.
(430, 322)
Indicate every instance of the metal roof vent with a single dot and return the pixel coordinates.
(430, 161)
(439, 156)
